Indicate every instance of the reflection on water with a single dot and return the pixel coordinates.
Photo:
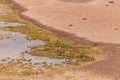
(5, 24)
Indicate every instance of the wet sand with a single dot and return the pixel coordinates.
(97, 21)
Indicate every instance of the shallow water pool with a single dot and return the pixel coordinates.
(13, 43)
(6, 24)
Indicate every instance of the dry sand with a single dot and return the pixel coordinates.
(102, 25)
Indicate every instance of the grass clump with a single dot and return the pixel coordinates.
(116, 28)
(32, 32)
(84, 18)
(61, 50)
(70, 25)
(111, 2)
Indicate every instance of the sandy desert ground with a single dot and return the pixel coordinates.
(94, 20)
(102, 24)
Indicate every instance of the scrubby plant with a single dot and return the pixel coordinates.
(84, 18)
(111, 2)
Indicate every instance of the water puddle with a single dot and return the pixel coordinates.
(6, 24)
(14, 43)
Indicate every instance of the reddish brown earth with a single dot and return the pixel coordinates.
(67, 19)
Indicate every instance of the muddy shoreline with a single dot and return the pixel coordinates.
(61, 34)
(108, 49)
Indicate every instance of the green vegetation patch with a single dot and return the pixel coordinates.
(54, 47)
(62, 50)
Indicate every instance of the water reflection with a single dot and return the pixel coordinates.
(15, 45)
(5, 24)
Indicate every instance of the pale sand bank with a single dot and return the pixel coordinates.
(102, 24)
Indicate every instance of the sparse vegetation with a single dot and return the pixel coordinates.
(116, 28)
(61, 50)
(54, 48)
(84, 18)
(111, 2)
(25, 67)
(106, 5)
(70, 25)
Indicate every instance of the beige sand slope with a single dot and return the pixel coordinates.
(103, 18)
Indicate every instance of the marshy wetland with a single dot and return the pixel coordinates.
(27, 49)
